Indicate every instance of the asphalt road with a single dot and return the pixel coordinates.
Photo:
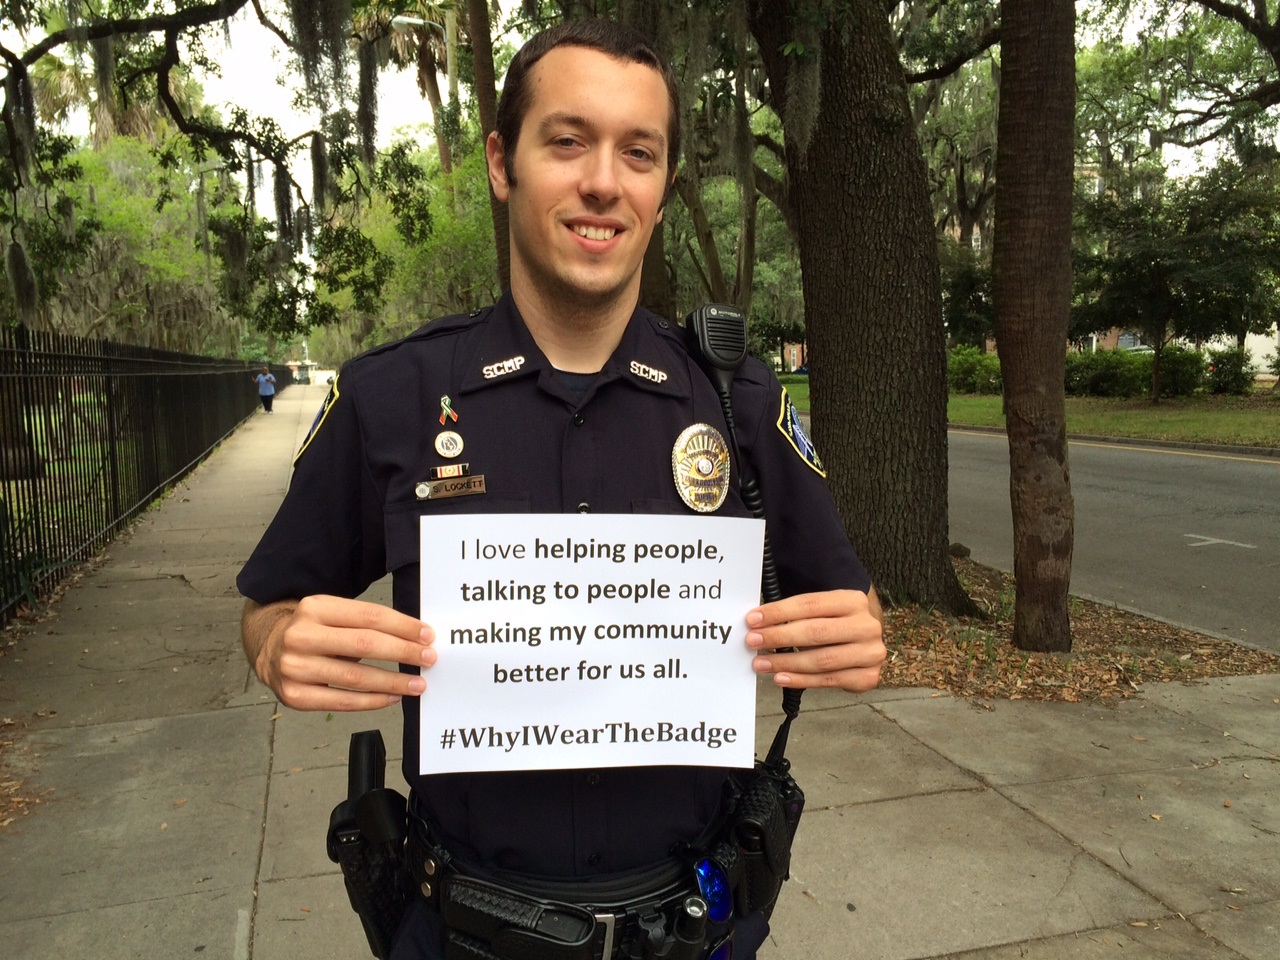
(1186, 536)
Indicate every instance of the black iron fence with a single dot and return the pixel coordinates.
(90, 433)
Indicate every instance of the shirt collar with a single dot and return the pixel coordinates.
(507, 351)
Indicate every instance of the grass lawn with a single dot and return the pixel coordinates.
(1252, 420)
(798, 389)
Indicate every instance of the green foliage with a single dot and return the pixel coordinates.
(971, 370)
(425, 244)
(1197, 258)
(46, 217)
(1182, 371)
(1231, 371)
(1108, 373)
(967, 309)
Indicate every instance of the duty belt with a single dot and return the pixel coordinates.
(656, 915)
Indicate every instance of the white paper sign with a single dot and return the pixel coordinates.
(580, 640)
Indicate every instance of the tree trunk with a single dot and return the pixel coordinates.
(430, 88)
(1032, 287)
(873, 303)
(690, 190)
(487, 101)
(655, 290)
(1157, 352)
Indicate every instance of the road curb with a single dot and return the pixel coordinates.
(1139, 442)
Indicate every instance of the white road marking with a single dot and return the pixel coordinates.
(1208, 541)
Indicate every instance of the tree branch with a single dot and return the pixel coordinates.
(1233, 11)
(772, 145)
(775, 191)
(981, 45)
(263, 19)
(180, 20)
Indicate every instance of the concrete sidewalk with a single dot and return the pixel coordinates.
(185, 812)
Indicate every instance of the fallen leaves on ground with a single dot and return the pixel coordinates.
(1113, 651)
(16, 796)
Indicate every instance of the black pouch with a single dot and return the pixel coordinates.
(763, 829)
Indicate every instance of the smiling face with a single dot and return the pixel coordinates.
(590, 172)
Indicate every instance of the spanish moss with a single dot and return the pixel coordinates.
(367, 102)
(284, 204)
(319, 172)
(236, 245)
(251, 182)
(308, 44)
(22, 281)
(804, 89)
(335, 29)
(20, 111)
(65, 207)
(104, 68)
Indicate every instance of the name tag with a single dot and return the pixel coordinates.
(451, 487)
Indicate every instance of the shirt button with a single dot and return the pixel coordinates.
(593, 860)
(579, 419)
(593, 779)
(584, 507)
(663, 324)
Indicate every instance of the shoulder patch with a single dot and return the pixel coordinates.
(792, 427)
(330, 399)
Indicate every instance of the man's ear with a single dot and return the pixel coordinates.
(495, 155)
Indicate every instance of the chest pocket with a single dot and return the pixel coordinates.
(401, 527)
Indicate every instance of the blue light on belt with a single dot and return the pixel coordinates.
(714, 887)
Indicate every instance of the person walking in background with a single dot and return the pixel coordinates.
(266, 382)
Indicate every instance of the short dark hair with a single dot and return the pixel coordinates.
(610, 38)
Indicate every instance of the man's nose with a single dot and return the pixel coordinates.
(600, 176)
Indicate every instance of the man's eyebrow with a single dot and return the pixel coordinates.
(566, 119)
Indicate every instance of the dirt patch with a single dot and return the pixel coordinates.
(1113, 652)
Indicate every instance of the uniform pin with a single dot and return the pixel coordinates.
(448, 444)
(422, 491)
(446, 410)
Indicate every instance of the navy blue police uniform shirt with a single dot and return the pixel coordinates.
(541, 449)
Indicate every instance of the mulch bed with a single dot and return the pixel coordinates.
(1113, 651)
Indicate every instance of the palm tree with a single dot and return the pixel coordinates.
(1035, 140)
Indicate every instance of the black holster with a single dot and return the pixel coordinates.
(366, 839)
(762, 820)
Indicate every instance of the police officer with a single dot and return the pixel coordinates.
(562, 397)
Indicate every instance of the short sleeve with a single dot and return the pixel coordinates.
(806, 534)
(327, 536)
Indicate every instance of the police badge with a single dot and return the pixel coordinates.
(700, 465)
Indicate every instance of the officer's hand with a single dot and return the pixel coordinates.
(309, 652)
(837, 635)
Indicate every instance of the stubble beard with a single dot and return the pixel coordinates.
(577, 305)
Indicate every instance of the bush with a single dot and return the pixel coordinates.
(1182, 371)
(970, 370)
(1231, 371)
(1108, 373)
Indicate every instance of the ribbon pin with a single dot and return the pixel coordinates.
(446, 410)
